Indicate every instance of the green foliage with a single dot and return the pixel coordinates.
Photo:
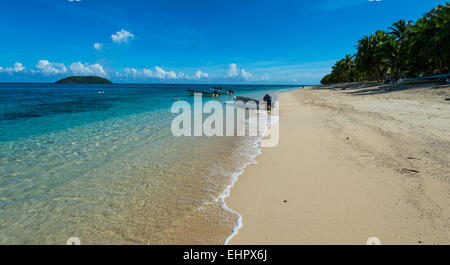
(405, 50)
(84, 80)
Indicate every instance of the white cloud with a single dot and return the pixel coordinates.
(131, 72)
(157, 72)
(245, 75)
(161, 74)
(181, 75)
(147, 72)
(87, 69)
(49, 68)
(16, 68)
(134, 73)
(171, 75)
(98, 46)
(122, 36)
(200, 75)
(234, 72)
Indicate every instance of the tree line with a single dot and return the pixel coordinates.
(405, 50)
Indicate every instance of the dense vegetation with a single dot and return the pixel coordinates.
(405, 50)
(84, 80)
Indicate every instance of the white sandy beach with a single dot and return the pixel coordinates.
(352, 164)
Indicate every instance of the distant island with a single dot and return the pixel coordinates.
(83, 80)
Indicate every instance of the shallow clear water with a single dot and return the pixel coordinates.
(105, 166)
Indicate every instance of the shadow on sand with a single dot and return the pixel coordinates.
(377, 88)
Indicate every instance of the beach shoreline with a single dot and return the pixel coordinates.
(345, 169)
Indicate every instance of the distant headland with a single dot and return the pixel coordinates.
(83, 80)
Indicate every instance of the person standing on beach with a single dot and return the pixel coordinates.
(268, 100)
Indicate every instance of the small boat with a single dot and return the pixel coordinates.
(245, 100)
(198, 91)
(242, 101)
(204, 93)
(222, 91)
(445, 78)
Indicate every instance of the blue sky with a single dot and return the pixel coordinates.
(195, 41)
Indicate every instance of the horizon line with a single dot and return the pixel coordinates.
(241, 84)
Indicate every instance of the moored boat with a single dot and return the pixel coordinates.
(246, 103)
(245, 99)
(204, 93)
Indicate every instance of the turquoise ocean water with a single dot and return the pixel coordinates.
(99, 162)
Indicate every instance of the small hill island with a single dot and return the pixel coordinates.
(83, 80)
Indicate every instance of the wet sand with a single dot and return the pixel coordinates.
(354, 161)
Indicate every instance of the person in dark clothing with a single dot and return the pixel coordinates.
(268, 100)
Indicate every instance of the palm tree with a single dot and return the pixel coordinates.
(365, 57)
(399, 29)
(407, 49)
(430, 40)
(440, 21)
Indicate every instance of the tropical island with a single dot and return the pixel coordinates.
(83, 80)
